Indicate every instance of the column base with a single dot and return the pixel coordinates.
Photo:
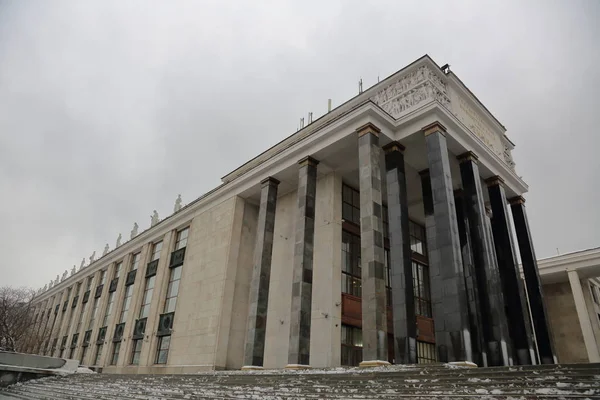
(464, 364)
(252, 368)
(297, 366)
(374, 363)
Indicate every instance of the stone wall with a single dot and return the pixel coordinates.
(564, 324)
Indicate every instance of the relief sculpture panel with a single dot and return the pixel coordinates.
(422, 86)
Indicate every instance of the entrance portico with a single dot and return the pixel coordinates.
(449, 142)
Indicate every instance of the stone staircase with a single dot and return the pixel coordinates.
(574, 381)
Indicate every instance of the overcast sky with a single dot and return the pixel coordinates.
(109, 109)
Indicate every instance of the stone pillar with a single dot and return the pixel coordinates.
(473, 295)
(300, 316)
(261, 274)
(403, 302)
(512, 285)
(584, 321)
(539, 315)
(494, 322)
(448, 294)
(374, 310)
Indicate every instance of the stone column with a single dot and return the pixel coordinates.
(448, 294)
(584, 321)
(300, 316)
(494, 322)
(473, 295)
(512, 286)
(403, 302)
(261, 274)
(539, 315)
(374, 310)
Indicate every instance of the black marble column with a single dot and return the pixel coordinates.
(494, 321)
(261, 275)
(403, 302)
(512, 286)
(300, 316)
(475, 318)
(448, 294)
(539, 315)
(374, 307)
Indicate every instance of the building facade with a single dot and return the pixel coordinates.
(378, 233)
(572, 290)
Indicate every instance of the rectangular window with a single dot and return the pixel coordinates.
(80, 320)
(417, 238)
(162, 349)
(126, 304)
(118, 268)
(182, 238)
(102, 277)
(135, 261)
(387, 272)
(98, 354)
(88, 285)
(136, 351)
(115, 353)
(94, 312)
(109, 307)
(83, 354)
(351, 345)
(156, 248)
(594, 294)
(421, 289)
(172, 290)
(425, 353)
(350, 204)
(148, 290)
(351, 270)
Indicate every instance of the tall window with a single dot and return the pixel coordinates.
(351, 345)
(137, 350)
(156, 251)
(102, 277)
(83, 354)
(421, 289)
(164, 342)
(88, 285)
(117, 272)
(148, 290)
(94, 312)
(350, 204)
(144, 311)
(114, 357)
(162, 349)
(98, 354)
(126, 304)
(80, 320)
(135, 262)
(182, 238)
(351, 271)
(172, 290)
(109, 307)
(417, 238)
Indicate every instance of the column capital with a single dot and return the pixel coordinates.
(434, 127)
(516, 200)
(308, 160)
(467, 156)
(393, 147)
(269, 181)
(494, 181)
(368, 128)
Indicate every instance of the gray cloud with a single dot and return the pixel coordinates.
(109, 109)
